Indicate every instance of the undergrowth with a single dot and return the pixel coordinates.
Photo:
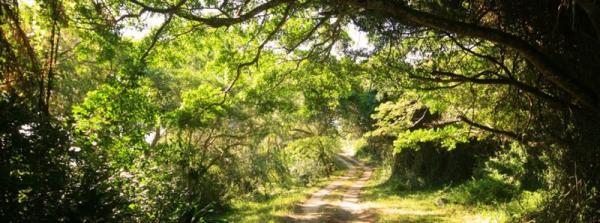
(276, 204)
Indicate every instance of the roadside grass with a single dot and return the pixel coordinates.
(273, 209)
(384, 200)
(281, 203)
(431, 205)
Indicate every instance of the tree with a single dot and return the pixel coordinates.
(553, 63)
(518, 71)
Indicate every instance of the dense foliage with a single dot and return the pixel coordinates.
(166, 111)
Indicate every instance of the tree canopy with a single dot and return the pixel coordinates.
(145, 110)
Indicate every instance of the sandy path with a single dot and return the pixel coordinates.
(318, 209)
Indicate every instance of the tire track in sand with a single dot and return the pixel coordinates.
(318, 209)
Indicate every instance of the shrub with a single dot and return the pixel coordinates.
(486, 190)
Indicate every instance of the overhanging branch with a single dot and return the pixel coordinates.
(212, 21)
(581, 94)
(509, 134)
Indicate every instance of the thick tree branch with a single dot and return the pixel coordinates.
(169, 10)
(213, 21)
(527, 88)
(581, 94)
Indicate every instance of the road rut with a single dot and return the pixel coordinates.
(320, 207)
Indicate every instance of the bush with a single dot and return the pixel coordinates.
(312, 157)
(375, 149)
(484, 191)
(432, 166)
(502, 178)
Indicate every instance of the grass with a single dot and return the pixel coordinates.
(276, 208)
(386, 202)
(391, 205)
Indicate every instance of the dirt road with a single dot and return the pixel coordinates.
(340, 200)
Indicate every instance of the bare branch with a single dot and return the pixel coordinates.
(456, 78)
(260, 48)
(509, 134)
(310, 33)
(487, 57)
(156, 36)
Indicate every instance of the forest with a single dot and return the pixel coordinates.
(299, 111)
